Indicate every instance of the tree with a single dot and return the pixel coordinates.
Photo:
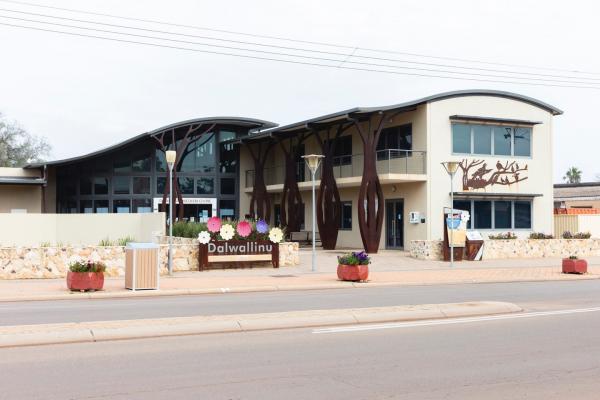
(573, 175)
(19, 147)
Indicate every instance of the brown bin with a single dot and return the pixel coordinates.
(141, 266)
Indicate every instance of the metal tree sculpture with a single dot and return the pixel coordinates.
(260, 201)
(370, 196)
(505, 174)
(181, 149)
(291, 199)
(328, 199)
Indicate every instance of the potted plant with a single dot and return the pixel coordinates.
(353, 266)
(85, 275)
(574, 265)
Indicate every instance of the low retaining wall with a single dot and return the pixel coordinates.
(514, 248)
(52, 262)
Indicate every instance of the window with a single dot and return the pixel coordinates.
(142, 163)
(85, 186)
(482, 214)
(227, 209)
(186, 185)
(523, 214)
(122, 165)
(101, 206)
(100, 185)
(141, 185)
(161, 184)
(85, 207)
(393, 139)
(142, 206)
(120, 184)
(493, 140)
(500, 214)
(227, 186)
(161, 161)
(482, 139)
(199, 156)
(121, 206)
(228, 152)
(523, 142)
(342, 154)
(205, 185)
(277, 214)
(346, 216)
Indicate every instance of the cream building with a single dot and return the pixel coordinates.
(504, 141)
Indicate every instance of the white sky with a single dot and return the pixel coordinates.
(84, 94)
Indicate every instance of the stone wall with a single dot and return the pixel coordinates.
(52, 262)
(514, 248)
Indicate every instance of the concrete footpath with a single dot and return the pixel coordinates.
(289, 278)
(31, 335)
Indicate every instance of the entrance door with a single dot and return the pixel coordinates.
(394, 224)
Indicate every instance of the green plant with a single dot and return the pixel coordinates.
(106, 242)
(578, 235)
(124, 240)
(86, 266)
(354, 258)
(503, 236)
(573, 258)
(45, 244)
(540, 235)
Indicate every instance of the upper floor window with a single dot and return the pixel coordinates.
(342, 154)
(491, 140)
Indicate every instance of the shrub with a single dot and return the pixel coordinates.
(540, 235)
(503, 236)
(188, 229)
(86, 266)
(106, 242)
(354, 258)
(124, 240)
(578, 235)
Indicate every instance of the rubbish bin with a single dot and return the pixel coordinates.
(141, 266)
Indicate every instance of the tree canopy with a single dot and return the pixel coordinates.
(19, 147)
(573, 175)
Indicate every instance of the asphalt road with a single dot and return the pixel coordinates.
(531, 296)
(546, 358)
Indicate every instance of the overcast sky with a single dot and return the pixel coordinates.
(84, 94)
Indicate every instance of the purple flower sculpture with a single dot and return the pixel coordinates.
(262, 226)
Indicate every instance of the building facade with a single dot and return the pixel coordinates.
(380, 185)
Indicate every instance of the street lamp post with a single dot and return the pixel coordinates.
(313, 161)
(171, 156)
(451, 167)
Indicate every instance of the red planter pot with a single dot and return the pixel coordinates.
(85, 280)
(353, 273)
(570, 266)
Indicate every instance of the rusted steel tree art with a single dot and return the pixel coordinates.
(328, 198)
(182, 149)
(504, 174)
(260, 202)
(370, 196)
(291, 199)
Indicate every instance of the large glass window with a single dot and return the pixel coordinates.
(101, 206)
(502, 215)
(394, 138)
(205, 185)
(161, 185)
(227, 186)
(100, 185)
(523, 142)
(482, 139)
(142, 163)
(161, 161)
(464, 205)
(502, 140)
(461, 138)
(186, 185)
(346, 216)
(199, 156)
(122, 165)
(120, 184)
(482, 214)
(121, 206)
(228, 152)
(86, 207)
(85, 185)
(227, 209)
(141, 185)
(142, 205)
(523, 214)
(342, 154)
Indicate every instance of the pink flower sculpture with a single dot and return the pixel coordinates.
(244, 229)
(213, 224)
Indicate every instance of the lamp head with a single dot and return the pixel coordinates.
(451, 167)
(313, 161)
(170, 155)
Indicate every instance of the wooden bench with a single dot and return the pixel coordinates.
(237, 252)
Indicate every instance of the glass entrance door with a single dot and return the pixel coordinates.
(394, 224)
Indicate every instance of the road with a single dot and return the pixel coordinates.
(531, 296)
(547, 357)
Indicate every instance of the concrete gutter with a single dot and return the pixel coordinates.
(85, 332)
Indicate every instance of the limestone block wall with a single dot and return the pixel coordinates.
(514, 248)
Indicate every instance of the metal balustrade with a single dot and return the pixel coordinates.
(389, 161)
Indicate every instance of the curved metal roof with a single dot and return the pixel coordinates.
(250, 123)
(410, 104)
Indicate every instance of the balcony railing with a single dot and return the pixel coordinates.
(389, 161)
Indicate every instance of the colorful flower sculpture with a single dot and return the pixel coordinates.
(214, 224)
(244, 229)
(227, 232)
(204, 237)
(276, 235)
(262, 226)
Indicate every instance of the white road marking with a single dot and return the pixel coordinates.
(449, 321)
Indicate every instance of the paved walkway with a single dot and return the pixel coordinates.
(388, 268)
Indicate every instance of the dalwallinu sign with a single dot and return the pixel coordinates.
(237, 253)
